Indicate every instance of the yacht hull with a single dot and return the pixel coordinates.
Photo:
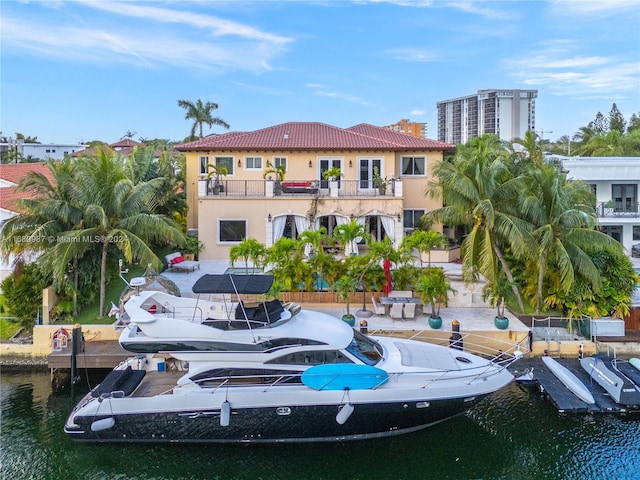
(311, 423)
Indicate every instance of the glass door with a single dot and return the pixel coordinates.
(326, 164)
(368, 168)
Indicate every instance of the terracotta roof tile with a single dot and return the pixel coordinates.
(14, 172)
(9, 196)
(314, 136)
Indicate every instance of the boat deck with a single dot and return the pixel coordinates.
(155, 383)
(563, 399)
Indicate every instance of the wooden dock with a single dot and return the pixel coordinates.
(564, 400)
(97, 354)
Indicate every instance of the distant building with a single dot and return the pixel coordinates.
(17, 149)
(506, 113)
(411, 128)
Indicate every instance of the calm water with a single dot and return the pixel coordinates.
(514, 434)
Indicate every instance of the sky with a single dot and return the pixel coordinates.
(76, 71)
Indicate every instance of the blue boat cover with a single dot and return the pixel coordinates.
(341, 376)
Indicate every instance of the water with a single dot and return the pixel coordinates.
(513, 434)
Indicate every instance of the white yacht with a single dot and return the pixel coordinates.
(277, 374)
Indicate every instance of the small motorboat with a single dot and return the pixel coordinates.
(569, 379)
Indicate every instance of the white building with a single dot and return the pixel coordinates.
(506, 113)
(38, 151)
(615, 182)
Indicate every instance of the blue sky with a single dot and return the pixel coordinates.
(75, 71)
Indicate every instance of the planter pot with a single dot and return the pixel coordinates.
(435, 322)
(350, 319)
(501, 323)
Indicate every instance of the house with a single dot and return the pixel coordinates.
(124, 147)
(14, 150)
(10, 176)
(615, 182)
(382, 179)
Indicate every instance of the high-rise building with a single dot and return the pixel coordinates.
(506, 113)
(412, 128)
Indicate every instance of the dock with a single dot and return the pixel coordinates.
(103, 354)
(564, 400)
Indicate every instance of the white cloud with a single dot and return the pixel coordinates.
(206, 44)
(323, 91)
(593, 8)
(411, 54)
(417, 113)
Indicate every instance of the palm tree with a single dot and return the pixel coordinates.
(424, 241)
(434, 287)
(563, 223)
(200, 113)
(117, 215)
(348, 234)
(248, 249)
(476, 191)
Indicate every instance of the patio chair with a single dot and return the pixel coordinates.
(396, 310)
(409, 310)
(377, 308)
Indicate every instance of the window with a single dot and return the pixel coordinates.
(636, 232)
(225, 162)
(326, 164)
(412, 219)
(232, 230)
(312, 357)
(367, 168)
(253, 163)
(413, 166)
(625, 197)
(277, 161)
(204, 161)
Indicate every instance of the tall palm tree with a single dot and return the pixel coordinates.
(200, 113)
(563, 222)
(348, 234)
(475, 190)
(117, 215)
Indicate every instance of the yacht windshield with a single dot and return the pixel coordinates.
(365, 349)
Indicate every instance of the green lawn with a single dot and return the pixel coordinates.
(8, 328)
(115, 288)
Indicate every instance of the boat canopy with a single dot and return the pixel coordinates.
(228, 283)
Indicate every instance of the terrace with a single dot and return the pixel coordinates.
(618, 209)
(290, 188)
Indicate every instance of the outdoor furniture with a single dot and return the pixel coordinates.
(378, 309)
(409, 310)
(396, 310)
(392, 300)
(176, 261)
(309, 188)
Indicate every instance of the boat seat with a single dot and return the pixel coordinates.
(125, 380)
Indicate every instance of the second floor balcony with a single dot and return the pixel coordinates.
(291, 188)
(614, 209)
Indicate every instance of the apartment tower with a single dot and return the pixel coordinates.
(506, 113)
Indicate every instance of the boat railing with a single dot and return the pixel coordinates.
(189, 314)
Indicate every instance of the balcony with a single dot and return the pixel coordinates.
(298, 188)
(618, 209)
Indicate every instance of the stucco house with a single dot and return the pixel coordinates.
(382, 179)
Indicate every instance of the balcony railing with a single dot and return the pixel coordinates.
(294, 188)
(618, 209)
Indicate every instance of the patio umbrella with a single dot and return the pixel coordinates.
(388, 284)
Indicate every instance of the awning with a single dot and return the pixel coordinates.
(227, 283)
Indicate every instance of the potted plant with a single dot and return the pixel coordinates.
(192, 247)
(332, 174)
(219, 171)
(279, 173)
(379, 182)
(434, 287)
(494, 294)
(345, 286)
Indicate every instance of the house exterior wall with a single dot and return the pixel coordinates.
(258, 204)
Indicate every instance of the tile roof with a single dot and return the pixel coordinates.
(14, 172)
(9, 196)
(314, 136)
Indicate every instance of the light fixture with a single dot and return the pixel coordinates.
(269, 218)
(350, 164)
(239, 163)
(310, 164)
(399, 217)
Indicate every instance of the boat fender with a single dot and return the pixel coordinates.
(103, 424)
(225, 413)
(344, 413)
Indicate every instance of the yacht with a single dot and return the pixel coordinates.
(248, 373)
